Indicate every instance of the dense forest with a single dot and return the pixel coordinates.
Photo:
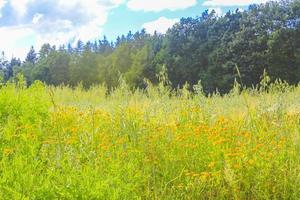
(214, 49)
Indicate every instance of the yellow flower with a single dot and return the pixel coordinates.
(234, 154)
(212, 164)
(220, 141)
(71, 140)
(7, 151)
(251, 161)
(74, 130)
(204, 175)
(237, 166)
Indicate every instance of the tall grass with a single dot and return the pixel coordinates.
(63, 143)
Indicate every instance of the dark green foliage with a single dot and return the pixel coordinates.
(207, 48)
(31, 56)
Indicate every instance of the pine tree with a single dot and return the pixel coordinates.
(31, 56)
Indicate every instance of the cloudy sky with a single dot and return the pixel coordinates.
(33, 22)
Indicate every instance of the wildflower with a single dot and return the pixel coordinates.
(251, 162)
(195, 175)
(212, 164)
(81, 114)
(237, 166)
(74, 130)
(7, 151)
(234, 154)
(216, 174)
(247, 135)
(221, 119)
(204, 175)
(220, 141)
(71, 140)
(270, 154)
(257, 147)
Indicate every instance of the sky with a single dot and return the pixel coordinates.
(26, 23)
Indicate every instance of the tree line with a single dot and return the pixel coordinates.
(217, 50)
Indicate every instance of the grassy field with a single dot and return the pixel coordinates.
(59, 143)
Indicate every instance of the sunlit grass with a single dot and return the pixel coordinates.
(62, 143)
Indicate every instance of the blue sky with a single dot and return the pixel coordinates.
(33, 22)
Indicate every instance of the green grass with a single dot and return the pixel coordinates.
(59, 143)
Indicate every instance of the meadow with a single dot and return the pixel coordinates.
(157, 143)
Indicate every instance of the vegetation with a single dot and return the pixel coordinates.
(157, 143)
(132, 120)
(206, 48)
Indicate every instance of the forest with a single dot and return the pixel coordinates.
(216, 50)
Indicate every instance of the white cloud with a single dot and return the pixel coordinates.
(96, 13)
(218, 11)
(37, 17)
(64, 31)
(160, 25)
(20, 6)
(11, 46)
(97, 10)
(232, 2)
(2, 3)
(60, 22)
(67, 32)
(159, 5)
